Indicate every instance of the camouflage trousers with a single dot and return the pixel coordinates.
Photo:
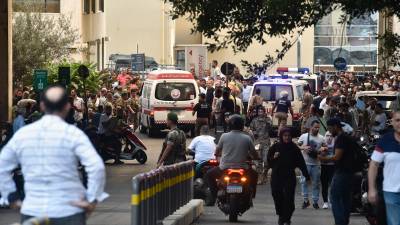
(261, 165)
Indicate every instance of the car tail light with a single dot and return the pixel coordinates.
(239, 171)
(213, 162)
(152, 113)
(243, 179)
(227, 178)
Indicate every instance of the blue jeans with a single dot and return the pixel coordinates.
(341, 196)
(315, 173)
(392, 202)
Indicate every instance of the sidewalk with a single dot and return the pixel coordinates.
(263, 213)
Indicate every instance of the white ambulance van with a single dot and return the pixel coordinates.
(166, 91)
(270, 91)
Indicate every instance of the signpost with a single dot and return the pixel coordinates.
(40, 80)
(340, 63)
(138, 62)
(64, 76)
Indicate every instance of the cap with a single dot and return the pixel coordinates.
(104, 89)
(334, 122)
(172, 117)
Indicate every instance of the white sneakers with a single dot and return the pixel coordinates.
(325, 206)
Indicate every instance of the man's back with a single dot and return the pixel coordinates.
(236, 147)
(49, 152)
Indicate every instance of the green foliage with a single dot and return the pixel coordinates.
(248, 21)
(93, 83)
(39, 39)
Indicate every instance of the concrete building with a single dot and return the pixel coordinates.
(87, 17)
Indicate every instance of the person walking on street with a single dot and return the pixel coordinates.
(283, 106)
(203, 111)
(246, 95)
(310, 144)
(261, 126)
(387, 151)
(78, 106)
(174, 146)
(343, 158)
(49, 152)
(284, 157)
(327, 169)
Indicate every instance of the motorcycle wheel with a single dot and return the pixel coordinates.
(233, 204)
(141, 157)
(208, 200)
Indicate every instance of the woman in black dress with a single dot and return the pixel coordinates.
(284, 157)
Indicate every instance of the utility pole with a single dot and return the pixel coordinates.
(5, 60)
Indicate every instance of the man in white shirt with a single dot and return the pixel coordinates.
(102, 100)
(49, 152)
(387, 151)
(310, 144)
(216, 71)
(203, 146)
(379, 120)
(79, 106)
(246, 93)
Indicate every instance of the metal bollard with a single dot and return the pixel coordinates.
(136, 216)
(152, 198)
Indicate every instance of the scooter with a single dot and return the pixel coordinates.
(200, 187)
(235, 195)
(133, 146)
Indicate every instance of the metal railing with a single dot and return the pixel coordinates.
(159, 193)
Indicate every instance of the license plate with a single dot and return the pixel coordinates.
(234, 189)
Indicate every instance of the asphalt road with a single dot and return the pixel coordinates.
(116, 209)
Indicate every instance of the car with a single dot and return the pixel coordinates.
(385, 98)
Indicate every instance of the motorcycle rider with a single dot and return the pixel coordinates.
(203, 147)
(378, 120)
(233, 151)
(261, 126)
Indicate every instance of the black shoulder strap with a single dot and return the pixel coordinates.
(319, 120)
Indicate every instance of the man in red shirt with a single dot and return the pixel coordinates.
(123, 78)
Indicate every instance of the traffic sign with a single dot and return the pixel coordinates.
(138, 62)
(64, 75)
(340, 63)
(40, 79)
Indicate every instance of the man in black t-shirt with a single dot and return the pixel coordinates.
(341, 195)
(283, 106)
(203, 110)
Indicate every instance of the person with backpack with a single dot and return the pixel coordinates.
(346, 164)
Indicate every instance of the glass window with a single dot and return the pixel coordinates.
(280, 88)
(271, 92)
(355, 41)
(47, 6)
(300, 91)
(180, 58)
(86, 6)
(175, 91)
(94, 6)
(101, 5)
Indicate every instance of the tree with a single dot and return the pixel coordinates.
(39, 39)
(93, 83)
(248, 21)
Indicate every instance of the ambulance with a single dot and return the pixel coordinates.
(270, 91)
(166, 91)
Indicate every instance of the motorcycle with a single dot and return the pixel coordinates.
(375, 214)
(200, 187)
(235, 195)
(134, 148)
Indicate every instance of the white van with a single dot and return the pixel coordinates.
(313, 80)
(270, 91)
(167, 91)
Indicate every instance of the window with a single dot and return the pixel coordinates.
(86, 6)
(101, 5)
(175, 91)
(180, 58)
(300, 92)
(94, 6)
(47, 6)
(355, 41)
(271, 92)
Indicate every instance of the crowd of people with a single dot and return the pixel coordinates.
(331, 118)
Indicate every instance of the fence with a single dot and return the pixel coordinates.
(160, 192)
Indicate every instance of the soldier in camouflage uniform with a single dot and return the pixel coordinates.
(261, 126)
(174, 146)
(133, 109)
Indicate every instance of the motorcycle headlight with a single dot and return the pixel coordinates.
(362, 138)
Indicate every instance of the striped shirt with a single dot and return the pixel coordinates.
(49, 152)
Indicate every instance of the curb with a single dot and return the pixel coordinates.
(187, 214)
